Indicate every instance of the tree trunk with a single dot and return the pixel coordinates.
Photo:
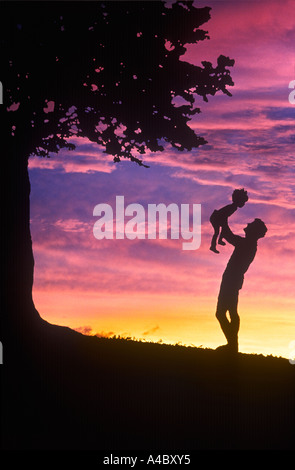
(18, 316)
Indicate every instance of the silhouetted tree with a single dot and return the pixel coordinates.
(109, 71)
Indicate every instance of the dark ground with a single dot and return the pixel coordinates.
(66, 391)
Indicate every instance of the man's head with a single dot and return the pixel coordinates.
(256, 229)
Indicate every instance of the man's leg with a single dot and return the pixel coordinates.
(221, 317)
(228, 301)
(234, 322)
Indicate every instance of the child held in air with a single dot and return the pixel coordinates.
(218, 217)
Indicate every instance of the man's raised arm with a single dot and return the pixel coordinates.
(228, 235)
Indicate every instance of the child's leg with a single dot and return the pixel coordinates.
(214, 239)
(220, 239)
(216, 226)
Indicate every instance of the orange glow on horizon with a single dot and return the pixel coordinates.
(168, 319)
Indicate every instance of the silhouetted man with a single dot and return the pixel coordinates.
(233, 278)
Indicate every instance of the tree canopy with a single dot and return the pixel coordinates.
(109, 71)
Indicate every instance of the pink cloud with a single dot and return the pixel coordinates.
(86, 158)
(258, 35)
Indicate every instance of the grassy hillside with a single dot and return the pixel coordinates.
(63, 390)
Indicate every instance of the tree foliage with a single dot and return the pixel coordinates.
(108, 71)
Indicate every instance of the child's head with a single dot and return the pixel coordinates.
(239, 197)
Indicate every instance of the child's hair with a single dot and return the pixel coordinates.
(239, 196)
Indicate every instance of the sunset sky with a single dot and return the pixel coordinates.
(153, 289)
